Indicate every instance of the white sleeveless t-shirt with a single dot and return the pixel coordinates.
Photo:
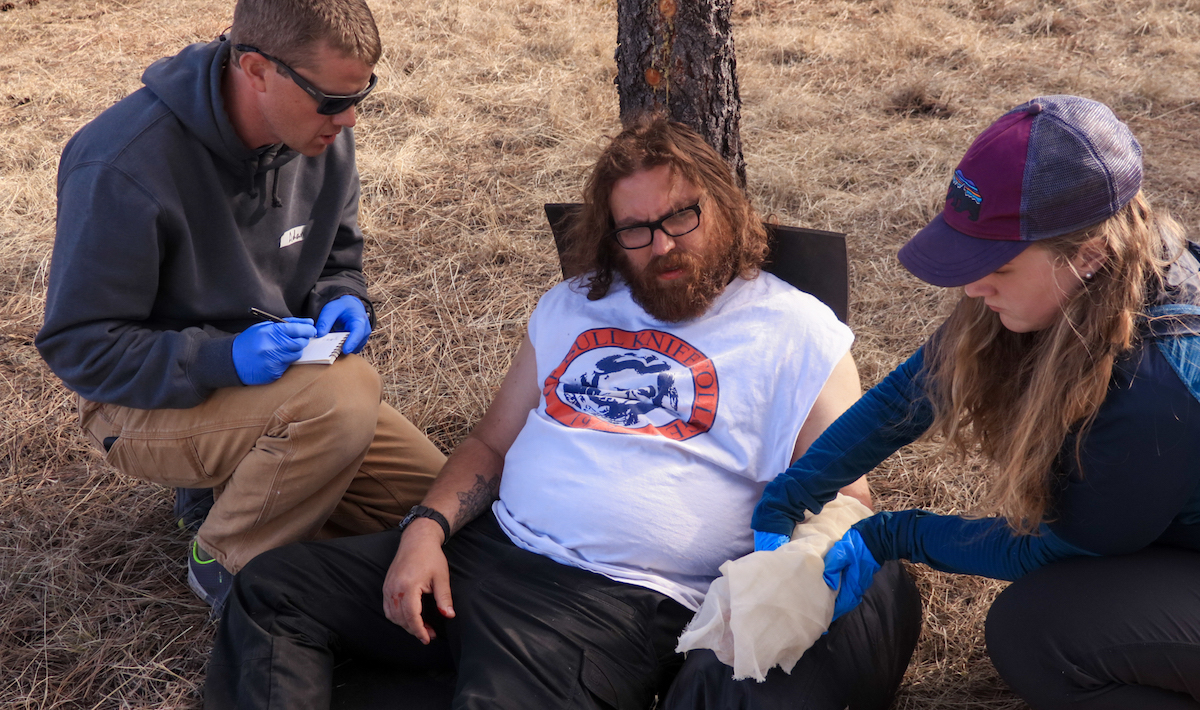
(653, 441)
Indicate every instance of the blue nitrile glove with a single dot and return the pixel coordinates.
(262, 352)
(849, 570)
(346, 313)
(769, 541)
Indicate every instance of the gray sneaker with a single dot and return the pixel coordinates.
(191, 507)
(208, 579)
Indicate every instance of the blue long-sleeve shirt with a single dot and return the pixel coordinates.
(1136, 482)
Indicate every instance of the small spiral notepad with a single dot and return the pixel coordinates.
(323, 350)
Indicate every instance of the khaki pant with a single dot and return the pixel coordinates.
(313, 454)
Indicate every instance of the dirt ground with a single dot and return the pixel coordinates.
(855, 112)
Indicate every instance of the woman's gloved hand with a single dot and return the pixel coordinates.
(850, 568)
(262, 352)
(769, 541)
(346, 313)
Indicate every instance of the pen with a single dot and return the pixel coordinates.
(266, 316)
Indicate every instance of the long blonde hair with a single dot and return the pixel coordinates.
(1018, 396)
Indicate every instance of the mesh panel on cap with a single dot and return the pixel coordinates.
(1083, 165)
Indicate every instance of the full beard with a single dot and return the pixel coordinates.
(683, 298)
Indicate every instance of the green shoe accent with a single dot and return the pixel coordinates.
(208, 578)
(199, 555)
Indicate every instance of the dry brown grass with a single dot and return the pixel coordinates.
(855, 111)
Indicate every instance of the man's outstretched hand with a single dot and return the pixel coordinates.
(419, 568)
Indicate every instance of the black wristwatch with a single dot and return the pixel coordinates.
(421, 511)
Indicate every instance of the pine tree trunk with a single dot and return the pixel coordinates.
(677, 56)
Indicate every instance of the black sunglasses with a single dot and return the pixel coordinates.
(327, 104)
(676, 224)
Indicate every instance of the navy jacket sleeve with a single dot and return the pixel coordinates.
(890, 415)
(1136, 471)
(103, 282)
(982, 546)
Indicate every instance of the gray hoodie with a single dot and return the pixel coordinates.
(170, 229)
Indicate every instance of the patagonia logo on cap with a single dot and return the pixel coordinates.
(964, 196)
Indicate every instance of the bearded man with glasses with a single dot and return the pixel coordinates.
(228, 182)
(572, 535)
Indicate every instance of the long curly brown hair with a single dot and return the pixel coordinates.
(1017, 396)
(645, 143)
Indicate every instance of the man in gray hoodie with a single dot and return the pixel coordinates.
(226, 183)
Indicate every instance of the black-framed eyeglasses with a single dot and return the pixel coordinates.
(327, 104)
(676, 224)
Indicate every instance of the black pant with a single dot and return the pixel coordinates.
(528, 632)
(859, 664)
(1103, 633)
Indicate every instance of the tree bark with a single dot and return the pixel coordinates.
(677, 56)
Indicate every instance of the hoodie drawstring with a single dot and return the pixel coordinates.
(260, 165)
(275, 201)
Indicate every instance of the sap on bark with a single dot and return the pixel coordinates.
(678, 58)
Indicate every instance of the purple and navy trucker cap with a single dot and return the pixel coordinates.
(1052, 166)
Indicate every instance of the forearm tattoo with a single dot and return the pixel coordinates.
(473, 502)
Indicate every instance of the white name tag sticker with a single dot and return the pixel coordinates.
(290, 237)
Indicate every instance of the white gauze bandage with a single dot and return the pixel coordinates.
(767, 608)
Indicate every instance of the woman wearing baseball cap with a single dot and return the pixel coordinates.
(1072, 362)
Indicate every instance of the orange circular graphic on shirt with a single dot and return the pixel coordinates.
(649, 382)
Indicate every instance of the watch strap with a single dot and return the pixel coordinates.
(422, 511)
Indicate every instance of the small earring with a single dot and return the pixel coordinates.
(1088, 276)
